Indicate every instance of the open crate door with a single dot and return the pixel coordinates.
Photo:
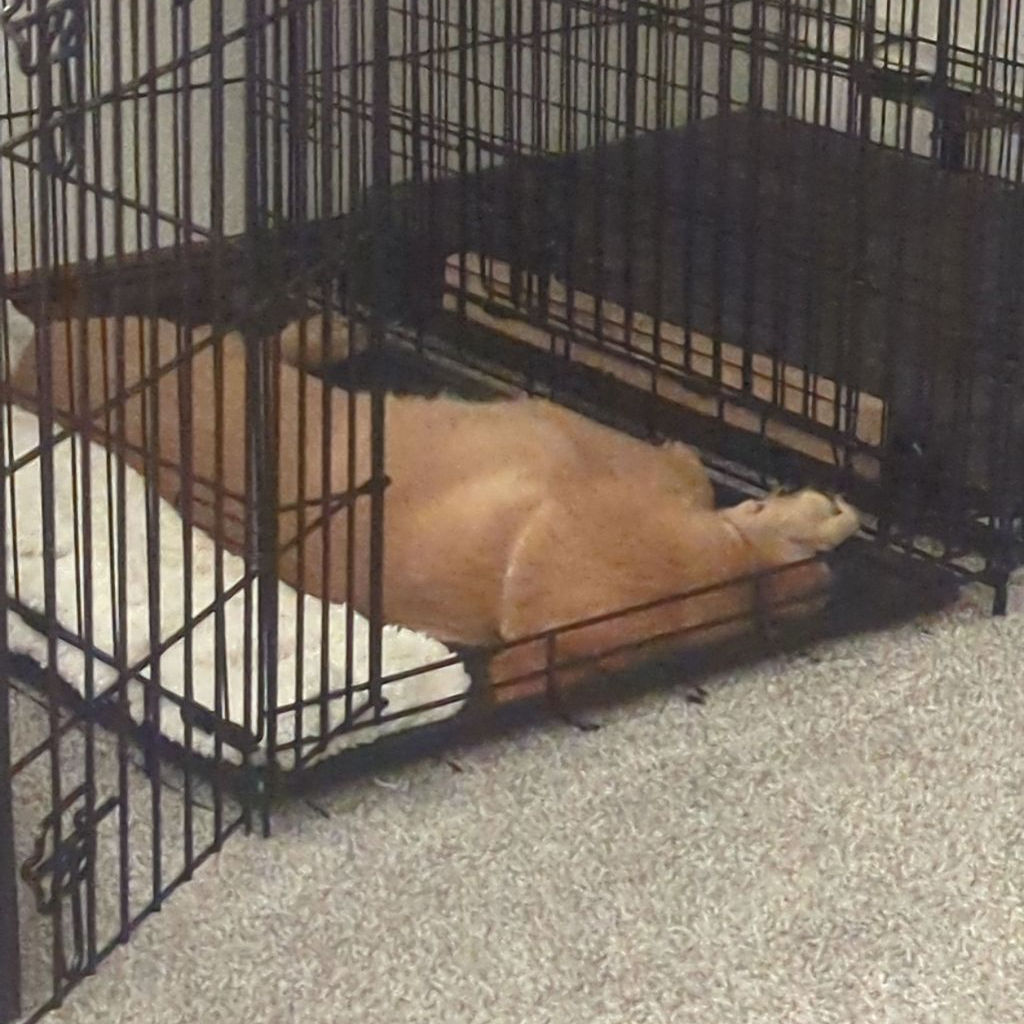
(95, 831)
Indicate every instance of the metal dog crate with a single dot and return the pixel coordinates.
(785, 232)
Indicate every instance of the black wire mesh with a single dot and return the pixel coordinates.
(784, 231)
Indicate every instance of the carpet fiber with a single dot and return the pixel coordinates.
(835, 837)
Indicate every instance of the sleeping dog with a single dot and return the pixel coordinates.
(503, 519)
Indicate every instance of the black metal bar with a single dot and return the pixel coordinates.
(10, 938)
(262, 485)
(850, 341)
(84, 524)
(332, 184)
(380, 218)
(691, 171)
(217, 273)
(570, 181)
(302, 138)
(629, 203)
(665, 61)
(597, 139)
(115, 428)
(354, 181)
(149, 239)
(182, 22)
(48, 241)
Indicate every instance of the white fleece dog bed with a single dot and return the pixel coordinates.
(403, 650)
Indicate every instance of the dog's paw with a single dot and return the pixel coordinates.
(821, 522)
(808, 518)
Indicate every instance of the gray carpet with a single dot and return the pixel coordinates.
(833, 837)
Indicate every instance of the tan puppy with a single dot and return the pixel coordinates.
(463, 473)
(502, 519)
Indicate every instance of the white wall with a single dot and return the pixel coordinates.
(989, 27)
(148, 130)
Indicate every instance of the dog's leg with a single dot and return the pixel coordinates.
(529, 672)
